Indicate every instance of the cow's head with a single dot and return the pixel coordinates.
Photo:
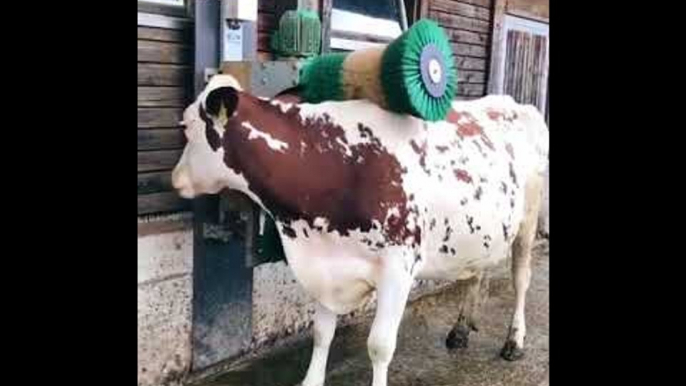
(201, 169)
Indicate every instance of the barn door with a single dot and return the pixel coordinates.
(524, 65)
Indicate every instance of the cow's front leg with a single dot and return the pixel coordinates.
(392, 291)
(324, 329)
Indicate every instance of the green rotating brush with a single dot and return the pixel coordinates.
(415, 74)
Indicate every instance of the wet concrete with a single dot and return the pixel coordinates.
(421, 357)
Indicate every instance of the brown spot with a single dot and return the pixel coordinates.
(453, 116)
(477, 194)
(347, 194)
(421, 151)
(513, 175)
(470, 222)
(494, 115)
(510, 150)
(487, 141)
(288, 231)
(442, 149)
(462, 175)
(444, 249)
(448, 231)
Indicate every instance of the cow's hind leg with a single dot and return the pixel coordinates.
(324, 329)
(458, 337)
(392, 292)
(521, 269)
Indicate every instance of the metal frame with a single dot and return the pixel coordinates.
(351, 44)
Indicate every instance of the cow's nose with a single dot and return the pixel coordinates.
(182, 183)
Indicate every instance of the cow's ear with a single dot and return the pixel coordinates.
(222, 96)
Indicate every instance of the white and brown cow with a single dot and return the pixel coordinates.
(367, 200)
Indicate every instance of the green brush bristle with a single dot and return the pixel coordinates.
(401, 74)
(320, 78)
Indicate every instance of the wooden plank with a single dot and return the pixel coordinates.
(164, 52)
(464, 49)
(163, 75)
(159, 139)
(326, 25)
(471, 89)
(462, 9)
(157, 160)
(532, 9)
(164, 35)
(461, 22)
(264, 41)
(480, 3)
(162, 202)
(467, 63)
(497, 36)
(266, 5)
(467, 76)
(461, 36)
(266, 22)
(161, 97)
(155, 182)
(158, 117)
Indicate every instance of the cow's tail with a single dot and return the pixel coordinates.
(537, 134)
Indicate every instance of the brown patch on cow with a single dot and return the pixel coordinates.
(462, 175)
(494, 115)
(470, 223)
(452, 116)
(211, 134)
(421, 151)
(442, 149)
(349, 195)
(288, 231)
(477, 194)
(510, 150)
(513, 175)
(478, 146)
(448, 231)
(487, 141)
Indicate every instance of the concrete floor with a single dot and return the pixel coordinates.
(421, 357)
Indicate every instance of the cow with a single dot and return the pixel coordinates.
(366, 201)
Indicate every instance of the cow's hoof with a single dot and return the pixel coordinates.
(511, 352)
(458, 337)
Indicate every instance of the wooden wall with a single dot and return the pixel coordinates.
(468, 25)
(266, 25)
(164, 86)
